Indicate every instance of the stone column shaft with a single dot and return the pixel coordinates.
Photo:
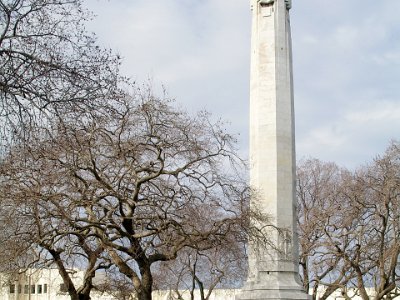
(273, 271)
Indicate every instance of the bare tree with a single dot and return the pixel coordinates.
(48, 63)
(40, 234)
(14, 239)
(349, 227)
(319, 207)
(198, 274)
(117, 285)
(376, 198)
(146, 182)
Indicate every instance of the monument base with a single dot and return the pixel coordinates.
(274, 286)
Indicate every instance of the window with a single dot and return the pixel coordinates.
(26, 289)
(12, 288)
(32, 289)
(19, 289)
(39, 289)
(45, 288)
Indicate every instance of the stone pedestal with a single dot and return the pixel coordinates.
(273, 271)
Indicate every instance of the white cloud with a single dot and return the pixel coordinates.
(387, 58)
(346, 56)
(379, 112)
(356, 136)
(346, 62)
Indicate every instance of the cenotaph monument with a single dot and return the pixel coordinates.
(273, 270)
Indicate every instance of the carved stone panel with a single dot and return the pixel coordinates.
(270, 2)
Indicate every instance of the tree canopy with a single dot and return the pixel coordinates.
(131, 189)
(349, 226)
(48, 63)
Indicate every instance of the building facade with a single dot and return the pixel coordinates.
(47, 284)
(41, 284)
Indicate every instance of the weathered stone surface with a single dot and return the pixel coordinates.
(273, 273)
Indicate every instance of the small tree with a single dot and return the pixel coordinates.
(200, 273)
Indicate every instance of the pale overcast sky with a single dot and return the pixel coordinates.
(346, 65)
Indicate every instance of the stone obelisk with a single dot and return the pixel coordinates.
(273, 270)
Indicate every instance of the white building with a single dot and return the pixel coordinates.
(47, 284)
(41, 284)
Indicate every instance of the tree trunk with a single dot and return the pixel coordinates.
(79, 297)
(146, 286)
(144, 294)
(64, 274)
(84, 297)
